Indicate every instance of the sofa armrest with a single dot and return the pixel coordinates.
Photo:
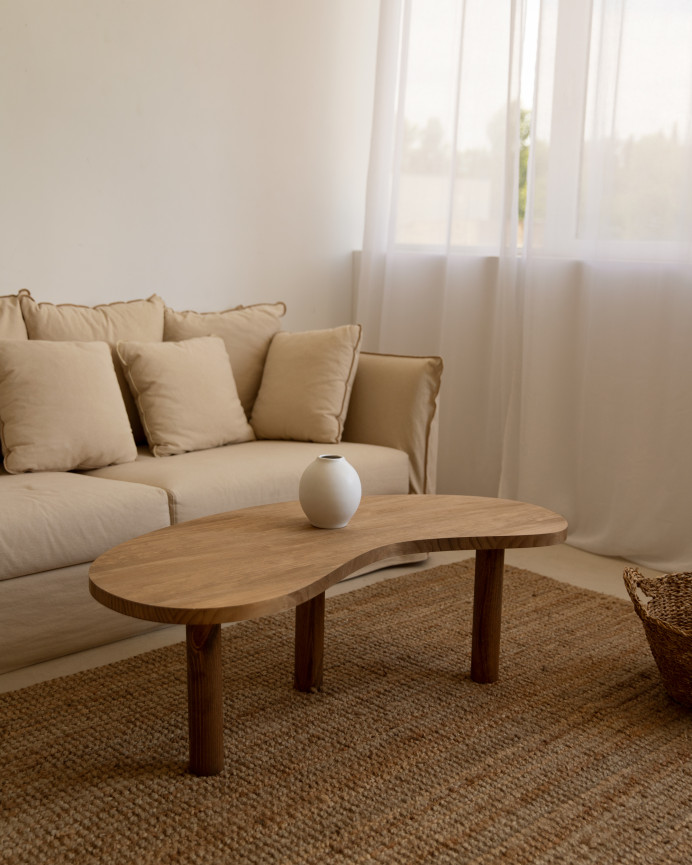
(394, 403)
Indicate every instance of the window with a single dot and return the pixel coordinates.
(569, 114)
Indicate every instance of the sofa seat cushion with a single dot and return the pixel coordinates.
(56, 519)
(254, 473)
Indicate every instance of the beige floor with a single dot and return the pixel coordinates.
(561, 562)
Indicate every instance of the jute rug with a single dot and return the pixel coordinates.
(576, 756)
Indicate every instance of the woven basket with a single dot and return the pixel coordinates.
(664, 604)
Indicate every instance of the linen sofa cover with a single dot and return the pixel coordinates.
(51, 614)
(253, 473)
(54, 519)
(394, 403)
(53, 524)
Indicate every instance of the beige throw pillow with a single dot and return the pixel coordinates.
(132, 320)
(185, 393)
(307, 384)
(246, 332)
(11, 320)
(61, 407)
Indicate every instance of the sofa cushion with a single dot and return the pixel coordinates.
(11, 320)
(55, 519)
(185, 394)
(246, 332)
(60, 407)
(254, 473)
(140, 320)
(306, 385)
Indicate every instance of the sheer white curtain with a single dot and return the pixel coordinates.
(530, 219)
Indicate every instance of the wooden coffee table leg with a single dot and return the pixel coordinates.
(205, 698)
(309, 645)
(487, 615)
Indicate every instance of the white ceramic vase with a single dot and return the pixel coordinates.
(329, 491)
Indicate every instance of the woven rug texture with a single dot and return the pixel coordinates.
(577, 754)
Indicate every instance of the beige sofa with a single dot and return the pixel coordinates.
(120, 419)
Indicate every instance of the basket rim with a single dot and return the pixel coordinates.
(634, 578)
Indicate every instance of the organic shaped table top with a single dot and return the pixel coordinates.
(258, 561)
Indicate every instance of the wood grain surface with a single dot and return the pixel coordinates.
(258, 561)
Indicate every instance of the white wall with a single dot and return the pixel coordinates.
(212, 151)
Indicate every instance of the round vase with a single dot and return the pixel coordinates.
(329, 491)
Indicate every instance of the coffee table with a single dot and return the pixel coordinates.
(254, 562)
